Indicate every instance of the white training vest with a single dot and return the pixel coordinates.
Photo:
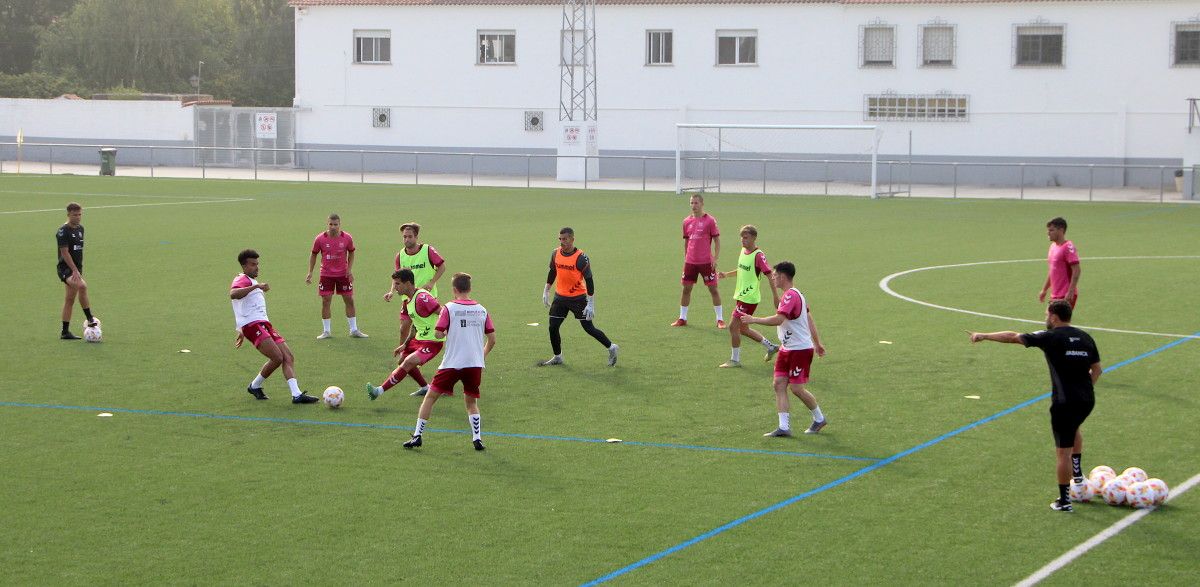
(793, 333)
(252, 308)
(464, 336)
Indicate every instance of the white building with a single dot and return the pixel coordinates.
(1100, 81)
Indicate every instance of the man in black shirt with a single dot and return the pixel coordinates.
(70, 269)
(1075, 367)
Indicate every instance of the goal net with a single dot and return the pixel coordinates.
(785, 159)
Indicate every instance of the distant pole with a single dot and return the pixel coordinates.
(199, 79)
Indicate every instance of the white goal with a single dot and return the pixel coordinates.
(777, 158)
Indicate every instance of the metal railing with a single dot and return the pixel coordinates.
(826, 176)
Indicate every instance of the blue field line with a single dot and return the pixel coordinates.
(859, 473)
(407, 428)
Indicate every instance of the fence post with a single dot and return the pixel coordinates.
(472, 169)
(416, 169)
(362, 166)
(643, 174)
(151, 161)
(955, 180)
(1022, 181)
(254, 152)
(51, 159)
(1091, 179)
(1161, 172)
(529, 172)
(308, 165)
(585, 172)
(203, 165)
(764, 177)
(826, 182)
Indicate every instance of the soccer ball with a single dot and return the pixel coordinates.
(1140, 495)
(1114, 491)
(333, 397)
(1099, 468)
(1159, 489)
(93, 333)
(1101, 477)
(1136, 473)
(1083, 492)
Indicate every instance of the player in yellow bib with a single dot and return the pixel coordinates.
(425, 263)
(752, 266)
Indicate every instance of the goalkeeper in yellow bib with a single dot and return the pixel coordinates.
(752, 266)
(571, 277)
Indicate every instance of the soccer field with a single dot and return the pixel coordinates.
(192, 481)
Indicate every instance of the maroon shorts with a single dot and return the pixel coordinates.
(794, 365)
(444, 380)
(743, 307)
(424, 349)
(257, 332)
(341, 286)
(705, 271)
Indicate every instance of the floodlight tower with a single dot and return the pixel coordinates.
(577, 92)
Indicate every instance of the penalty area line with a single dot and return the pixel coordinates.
(1067, 558)
(60, 209)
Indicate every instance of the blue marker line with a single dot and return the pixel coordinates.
(394, 427)
(859, 473)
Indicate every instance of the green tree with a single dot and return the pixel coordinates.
(19, 23)
(259, 69)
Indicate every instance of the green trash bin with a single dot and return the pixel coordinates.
(108, 161)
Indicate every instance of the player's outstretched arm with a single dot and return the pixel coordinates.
(773, 320)
(1007, 336)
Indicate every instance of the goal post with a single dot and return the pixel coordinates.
(793, 158)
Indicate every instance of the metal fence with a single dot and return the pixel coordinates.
(783, 176)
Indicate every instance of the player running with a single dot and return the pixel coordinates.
(250, 315)
(701, 248)
(418, 343)
(1062, 275)
(752, 264)
(470, 336)
(70, 270)
(798, 338)
(574, 293)
(1075, 368)
(335, 247)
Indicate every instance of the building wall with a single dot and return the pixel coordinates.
(1116, 99)
(97, 122)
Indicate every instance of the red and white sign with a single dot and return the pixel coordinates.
(265, 125)
(571, 134)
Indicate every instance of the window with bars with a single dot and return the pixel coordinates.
(937, 45)
(916, 107)
(497, 47)
(1186, 41)
(658, 48)
(737, 47)
(372, 46)
(1039, 45)
(877, 47)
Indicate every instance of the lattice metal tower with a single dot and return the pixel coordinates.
(577, 86)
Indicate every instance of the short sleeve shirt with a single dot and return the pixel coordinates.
(72, 239)
(334, 252)
(699, 233)
(1060, 258)
(1070, 352)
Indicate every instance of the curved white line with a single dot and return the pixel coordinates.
(884, 285)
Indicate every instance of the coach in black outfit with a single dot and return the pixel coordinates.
(1074, 368)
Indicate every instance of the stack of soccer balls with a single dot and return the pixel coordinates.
(1132, 487)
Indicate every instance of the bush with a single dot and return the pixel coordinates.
(36, 85)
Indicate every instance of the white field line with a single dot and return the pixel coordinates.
(884, 285)
(107, 195)
(1096, 540)
(59, 209)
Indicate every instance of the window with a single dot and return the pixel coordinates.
(1039, 45)
(878, 45)
(937, 45)
(658, 48)
(1186, 50)
(372, 46)
(497, 47)
(916, 107)
(737, 47)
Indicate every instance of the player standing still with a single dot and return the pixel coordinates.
(1075, 368)
(335, 247)
(574, 293)
(70, 270)
(798, 338)
(1062, 275)
(470, 336)
(701, 248)
(752, 264)
(250, 316)
(418, 345)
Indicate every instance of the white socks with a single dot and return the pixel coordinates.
(420, 426)
(736, 356)
(325, 324)
(785, 421)
(295, 387)
(720, 312)
(258, 381)
(683, 312)
(475, 427)
(353, 323)
(817, 415)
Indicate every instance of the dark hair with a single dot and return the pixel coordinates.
(786, 268)
(416, 228)
(404, 275)
(334, 216)
(461, 282)
(1062, 309)
(74, 207)
(567, 230)
(247, 254)
(1057, 222)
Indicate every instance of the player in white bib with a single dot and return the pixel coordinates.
(798, 339)
(470, 336)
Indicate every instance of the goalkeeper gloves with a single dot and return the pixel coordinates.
(589, 311)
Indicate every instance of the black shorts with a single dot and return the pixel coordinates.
(561, 306)
(1065, 420)
(65, 272)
